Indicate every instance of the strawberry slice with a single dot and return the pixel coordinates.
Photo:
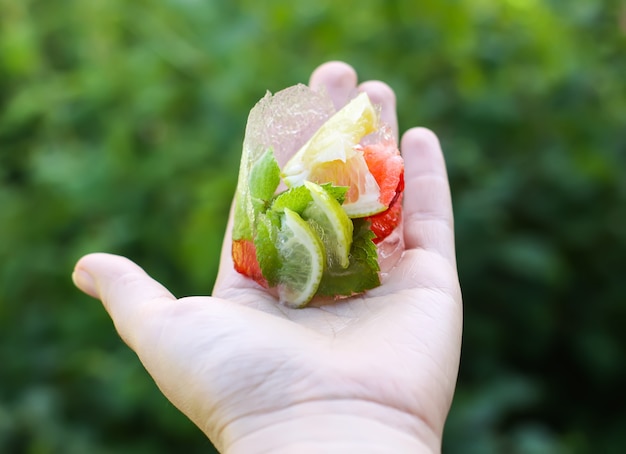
(244, 258)
(382, 224)
(385, 163)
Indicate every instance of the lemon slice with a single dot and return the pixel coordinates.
(331, 223)
(332, 155)
(302, 256)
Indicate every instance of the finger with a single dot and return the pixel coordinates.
(128, 294)
(338, 78)
(382, 95)
(427, 204)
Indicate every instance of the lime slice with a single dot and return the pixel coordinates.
(302, 257)
(332, 155)
(334, 227)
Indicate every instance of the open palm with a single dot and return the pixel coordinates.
(369, 372)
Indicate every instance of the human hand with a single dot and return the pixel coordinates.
(372, 373)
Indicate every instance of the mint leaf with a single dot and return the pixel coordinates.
(296, 199)
(265, 241)
(254, 191)
(299, 197)
(336, 192)
(264, 177)
(362, 272)
(242, 229)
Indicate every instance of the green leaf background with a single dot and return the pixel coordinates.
(120, 130)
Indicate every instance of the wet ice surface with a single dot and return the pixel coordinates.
(285, 121)
(390, 251)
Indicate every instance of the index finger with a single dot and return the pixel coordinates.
(338, 78)
(382, 95)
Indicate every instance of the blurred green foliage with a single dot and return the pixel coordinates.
(120, 128)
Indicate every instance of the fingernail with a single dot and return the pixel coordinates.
(83, 280)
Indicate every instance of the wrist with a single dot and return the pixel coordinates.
(331, 427)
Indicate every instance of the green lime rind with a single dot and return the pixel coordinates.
(332, 224)
(303, 260)
(349, 262)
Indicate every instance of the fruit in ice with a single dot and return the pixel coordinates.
(308, 240)
(333, 155)
(387, 166)
(302, 255)
(332, 224)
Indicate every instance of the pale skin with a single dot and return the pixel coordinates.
(371, 374)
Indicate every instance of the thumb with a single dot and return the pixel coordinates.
(127, 292)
